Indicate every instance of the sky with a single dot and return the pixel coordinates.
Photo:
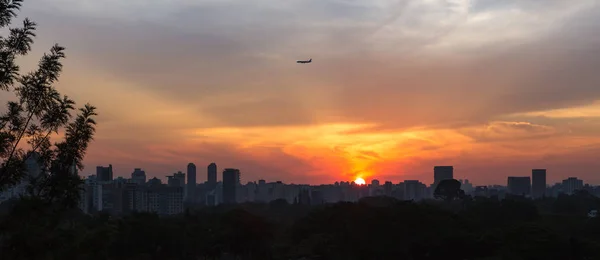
(494, 88)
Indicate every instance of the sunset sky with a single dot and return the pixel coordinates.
(492, 87)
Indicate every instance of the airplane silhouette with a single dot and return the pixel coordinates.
(304, 61)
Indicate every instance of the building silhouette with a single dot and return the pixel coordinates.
(190, 192)
(138, 176)
(211, 178)
(177, 180)
(33, 170)
(441, 173)
(519, 186)
(571, 184)
(104, 174)
(231, 179)
(538, 183)
(413, 190)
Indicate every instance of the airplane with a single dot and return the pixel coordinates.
(304, 61)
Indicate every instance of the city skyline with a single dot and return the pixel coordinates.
(437, 174)
(394, 88)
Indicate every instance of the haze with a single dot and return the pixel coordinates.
(395, 87)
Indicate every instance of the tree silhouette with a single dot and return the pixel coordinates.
(43, 223)
(37, 112)
(448, 190)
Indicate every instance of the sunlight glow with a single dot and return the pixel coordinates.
(360, 181)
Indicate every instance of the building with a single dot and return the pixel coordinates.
(84, 201)
(441, 173)
(466, 186)
(177, 180)
(104, 174)
(303, 197)
(95, 194)
(211, 176)
(413, 190)
(317, 197)
(138, 176)
(538, 183)
(161, 199)
(154, 181)
(231, 180)
(387, 188)
(262, 192)
(519, 186)
(191, 182)
(33, 170)
(572, 184)
(480, 191)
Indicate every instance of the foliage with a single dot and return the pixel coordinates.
(44, 222)
(38, 112)
(449, 190)
(374, 228)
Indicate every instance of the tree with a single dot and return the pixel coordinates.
(38, 112)
(449, 190)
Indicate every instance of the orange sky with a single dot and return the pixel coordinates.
(396, 87)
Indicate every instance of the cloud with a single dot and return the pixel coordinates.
(513, 131)
(395, 85)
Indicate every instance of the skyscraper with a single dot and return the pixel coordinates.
(211, 177)
(441, 173)
(231, 179)
(104, 174)
(538, 183)
(191, 182)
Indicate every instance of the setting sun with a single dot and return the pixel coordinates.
(360, 181)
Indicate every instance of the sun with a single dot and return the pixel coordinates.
(360, 181)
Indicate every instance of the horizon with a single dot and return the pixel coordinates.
(550, 181)
(395, 87)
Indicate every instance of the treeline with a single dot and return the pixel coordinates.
(373, 228)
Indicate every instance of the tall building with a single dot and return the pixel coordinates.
(387, 188)
(538, 183)
(104, 174)
(138, 176)
(211, 177)
(441, 173)
(231, 179)
(191, 182)
(519, 186)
